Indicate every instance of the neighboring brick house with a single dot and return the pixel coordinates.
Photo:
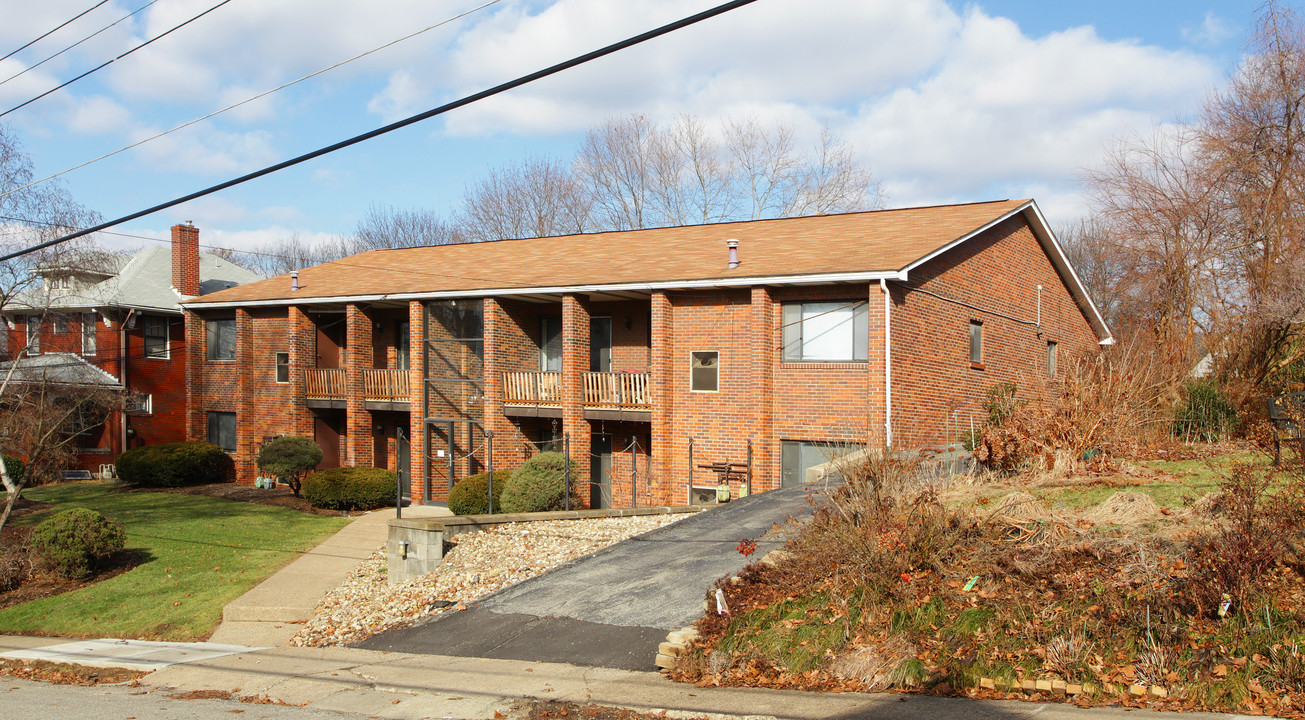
(766, 343)
(116, 319)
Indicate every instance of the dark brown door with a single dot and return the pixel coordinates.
(330, 341)
(326, 431)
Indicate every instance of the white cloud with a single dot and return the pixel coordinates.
(204, 150)
(98, 115)
(1212, 31)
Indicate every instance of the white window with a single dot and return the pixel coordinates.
(140, 404)
(156, 337)
(704, 371)
(88, 334)
(550, 344)
(33, 334)
(826, 332)
(976, 343)
(283, 367)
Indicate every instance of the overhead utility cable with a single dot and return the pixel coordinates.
(467, 100)
(106, 63)
(57, 29)
(249, 100)
(34, 66)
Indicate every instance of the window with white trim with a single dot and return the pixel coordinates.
(283, 367)
(704, 371)
(33, 334)
(826, 331)
(58, 324)
(156, 337)
(976, 343)
(140, 404)
(89, 343)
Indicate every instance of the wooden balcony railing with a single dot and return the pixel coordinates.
(332, 384)
(617, 390)
(386, 385)
(532, 388)
(324, 384)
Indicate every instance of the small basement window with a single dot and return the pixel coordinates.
(1051, 358)
(704, 371)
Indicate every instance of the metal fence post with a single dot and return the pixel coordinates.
(634, 471)
(566, 466)
(690, 502)
(749, 466)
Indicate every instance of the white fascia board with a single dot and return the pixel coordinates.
(1061, 261)
(872, 276)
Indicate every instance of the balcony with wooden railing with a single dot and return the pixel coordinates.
(607, 395)
(617, 390)
(382, 389)
(535, 389)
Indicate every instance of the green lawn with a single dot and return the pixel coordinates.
(199, 554)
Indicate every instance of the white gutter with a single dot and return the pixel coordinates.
(566, 289)
(888, 363)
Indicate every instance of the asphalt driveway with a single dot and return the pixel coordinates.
(610, 609)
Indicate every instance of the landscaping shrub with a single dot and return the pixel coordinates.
(15, 565)
(470, 495)
(1204, 412)
(16, 468)
(73, 541)
(351, 488)
(175, 464)
(540, 484)
(289, 459)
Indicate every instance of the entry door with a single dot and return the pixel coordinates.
(326, 431)
(600, 471)
(331, 339)
(402, 462)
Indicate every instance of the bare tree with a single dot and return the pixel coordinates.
(390, 227)
(539, 197)
(833, 181)
(616, 161)
(1213, 213)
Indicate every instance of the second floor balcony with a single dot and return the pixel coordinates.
(607, 395)
(382, 389)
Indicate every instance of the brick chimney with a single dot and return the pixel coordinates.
(185, 259)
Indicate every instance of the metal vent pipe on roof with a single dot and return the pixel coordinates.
(733, 245)
(294, 280)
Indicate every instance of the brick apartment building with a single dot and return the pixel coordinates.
(115, 321)
(766, 344)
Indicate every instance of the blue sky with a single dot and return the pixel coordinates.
(946, 101)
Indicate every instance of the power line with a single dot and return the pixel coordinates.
(79, 42)
(467, 100)
(246, 100)
(48, 34)
(110, 62)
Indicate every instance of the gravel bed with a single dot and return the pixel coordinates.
(481, 563)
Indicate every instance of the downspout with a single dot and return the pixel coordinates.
(122, 377)
(888, 363)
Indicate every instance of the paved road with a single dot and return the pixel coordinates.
(610, 609)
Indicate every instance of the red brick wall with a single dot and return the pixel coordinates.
(936, 392)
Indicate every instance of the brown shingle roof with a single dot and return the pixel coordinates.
(879, 241)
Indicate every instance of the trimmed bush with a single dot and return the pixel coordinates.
(175, 464)
(16, 468)
(351, 488)
(540, 484)
(471, 494)
(289, 459)
(72, 542)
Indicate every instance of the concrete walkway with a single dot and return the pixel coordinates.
(275, 609)
(397, 685)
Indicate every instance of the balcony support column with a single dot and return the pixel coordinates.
(302, 345)
(575, 363)
(360, 444)
(418, 449)
(667, 486)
